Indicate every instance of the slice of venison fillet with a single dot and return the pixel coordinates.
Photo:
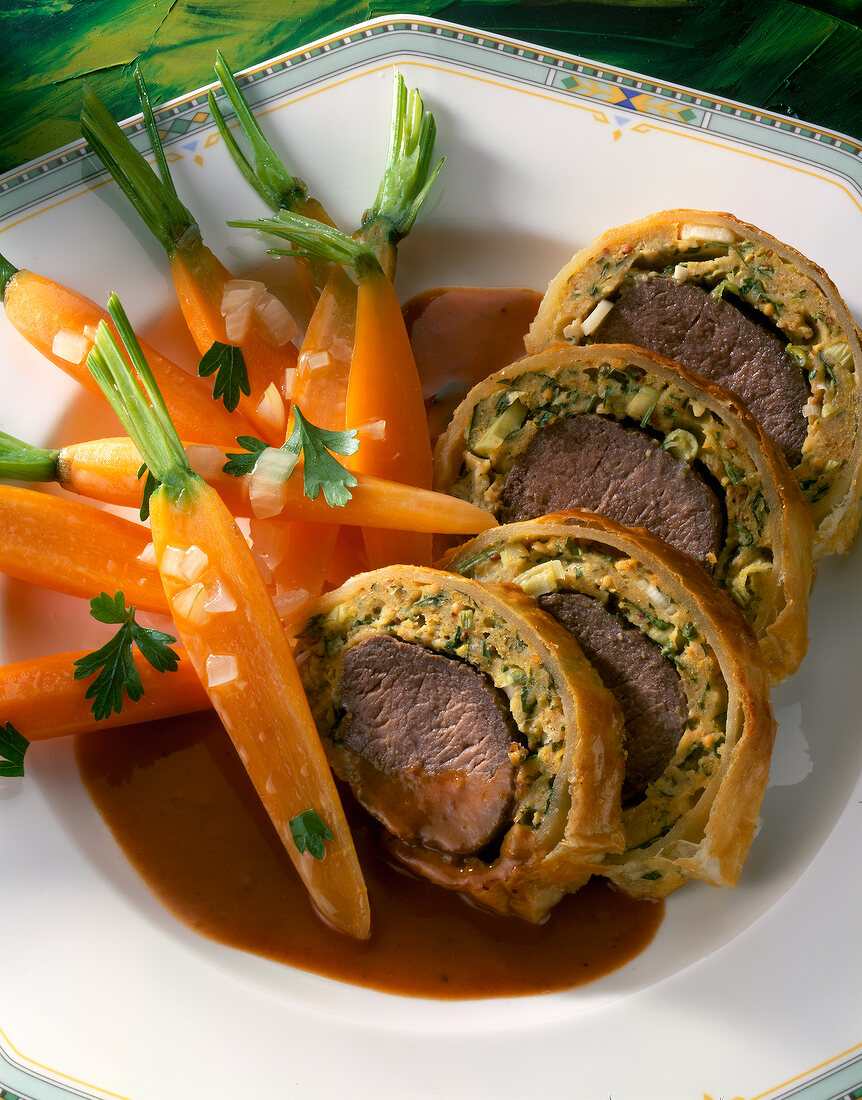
(595, 463)
(429, 739)
(716, 340)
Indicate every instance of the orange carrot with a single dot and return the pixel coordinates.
(243, 332)
(108, 470)
(61, 324)
(76, 549)
(42, 699)
(234, 638)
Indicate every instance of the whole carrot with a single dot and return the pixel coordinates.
(243, 333)
(74, 548)
(109, 470)
(234, 638)
(42, 698)
(61, 324)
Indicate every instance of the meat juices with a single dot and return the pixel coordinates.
(592, 462)
(717, 341)
(643, 681)
(427, 744)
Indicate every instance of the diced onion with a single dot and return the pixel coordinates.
(239, 294)
(595, 317)
(148, 555)
(276, 318)
(371, 429)
(681, 273)
(655, 596)
(643, 402)
(707, 233)
(205, 459)
(71, 347)
(267, 488)
(317, 359)
(271, 409)
(188, 604)
(219, 599)
(268, 542)
(187, 564)
(221, 668)
(289, 382)
(288, 601)
(541, 579)
(236, 324)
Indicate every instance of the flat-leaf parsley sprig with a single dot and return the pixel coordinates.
(316, 446)
(13, 747)
(115, 663)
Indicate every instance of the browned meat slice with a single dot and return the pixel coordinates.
(716, 340)
(593, 462)
(644, 682)
(428, 743)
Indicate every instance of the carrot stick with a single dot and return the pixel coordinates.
(234, 638)
(108, 470)
(50, 315)
(76, 549)
(43, 700)
(254, 356)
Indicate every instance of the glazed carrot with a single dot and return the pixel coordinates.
(340, 344)
(248, 341)
(108, 470)
(42, 699)
(61, 324)
(384, 399)
(73, 548)
(234, 638)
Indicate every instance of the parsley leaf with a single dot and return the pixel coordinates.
(232, 376)
(320, 469)
(114, 662)
(309, 831)
(244, 463)
(13, 746)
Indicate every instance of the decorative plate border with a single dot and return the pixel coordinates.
(187, 122)
(628, 96)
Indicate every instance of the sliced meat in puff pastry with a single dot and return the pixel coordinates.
(686, 669)
(737, 306)
(470, 724)
(623, 432)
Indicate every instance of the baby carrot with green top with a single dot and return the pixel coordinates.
(234, 638)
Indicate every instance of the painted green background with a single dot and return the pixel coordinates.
(799, 59)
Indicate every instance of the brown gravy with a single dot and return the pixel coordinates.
(460, 335)
(181, 807)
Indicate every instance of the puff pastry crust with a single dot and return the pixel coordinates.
(698, 818)
(569, 762)
(793, 297)
(765, 564)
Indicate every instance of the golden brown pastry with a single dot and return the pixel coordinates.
(471, 725)
(700, 769)
(625, 433)
(745, 310)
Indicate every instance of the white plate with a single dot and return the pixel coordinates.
(750, 993)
